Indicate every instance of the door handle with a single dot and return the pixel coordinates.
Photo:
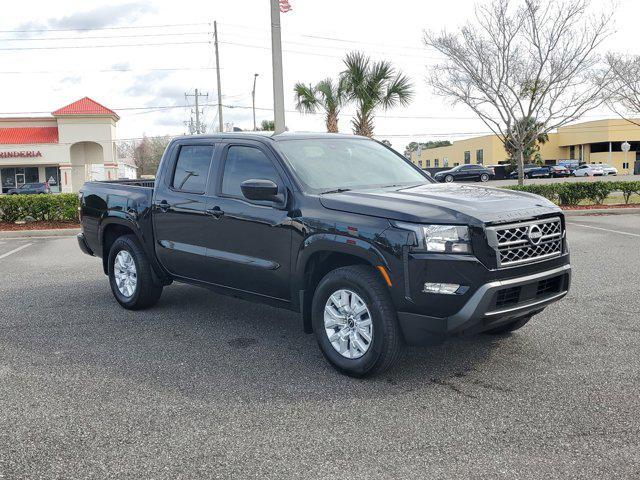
(214, 212)
(164, 206)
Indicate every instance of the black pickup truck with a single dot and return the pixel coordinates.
(342, 229)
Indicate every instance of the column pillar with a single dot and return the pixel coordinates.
(66, 183)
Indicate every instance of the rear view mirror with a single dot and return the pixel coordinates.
(260, 190)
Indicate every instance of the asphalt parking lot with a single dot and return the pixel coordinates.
(203, 386)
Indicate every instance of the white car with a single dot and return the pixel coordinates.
(609, 170)
(588, 170)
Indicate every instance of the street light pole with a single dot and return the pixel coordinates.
(276, 57)
(253, 100)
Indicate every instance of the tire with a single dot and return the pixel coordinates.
(509, 327)
(448, 179)
(147, 291)
(484, 178)
(385, 345)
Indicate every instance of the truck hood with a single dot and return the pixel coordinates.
(441, 203)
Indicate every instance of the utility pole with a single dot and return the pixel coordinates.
(215, 43)
(253, 100)
(276, 57)
(199, 127)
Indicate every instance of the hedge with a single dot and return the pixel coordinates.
(572, 193)
(51, 207)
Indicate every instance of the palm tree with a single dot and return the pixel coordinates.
(373, 85)
(326, 95)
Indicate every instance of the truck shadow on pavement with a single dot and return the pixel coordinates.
(208, 347)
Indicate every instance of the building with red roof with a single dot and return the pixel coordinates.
(74, 144)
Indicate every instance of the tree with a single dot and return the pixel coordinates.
(523, 70)
(146, 152)
(532, 145)
(413, 146)
(268, 125)
(623, 88)
(373, 85)
(327, 95)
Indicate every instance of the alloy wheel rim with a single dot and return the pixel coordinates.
(348, 324)
(125, 273)
(448, 179)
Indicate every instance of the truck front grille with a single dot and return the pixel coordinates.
(526, 242)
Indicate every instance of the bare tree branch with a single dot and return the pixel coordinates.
(525, 69)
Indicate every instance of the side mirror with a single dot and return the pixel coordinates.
(261, 190)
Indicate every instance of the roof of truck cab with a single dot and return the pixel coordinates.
(269, 135)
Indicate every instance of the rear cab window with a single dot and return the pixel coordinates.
(191, 171)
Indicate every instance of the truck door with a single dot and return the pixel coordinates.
(249, 242)
(182, 193)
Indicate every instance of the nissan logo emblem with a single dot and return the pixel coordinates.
(534, 233)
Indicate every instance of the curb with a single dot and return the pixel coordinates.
(601, 211)
(54, 232)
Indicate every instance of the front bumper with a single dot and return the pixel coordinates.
(492, 304)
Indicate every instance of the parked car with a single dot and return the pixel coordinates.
(588, 170)
(608, 169)
(476, 173)
(528, 167)
(342, 229)
(559, 171)
(30, 189)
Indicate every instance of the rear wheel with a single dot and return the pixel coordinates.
(355, 323)
(130, 275)
(510, 327)
(484, 177)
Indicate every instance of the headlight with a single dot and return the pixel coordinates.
(440, 238)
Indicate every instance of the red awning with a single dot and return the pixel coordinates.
(27, 135)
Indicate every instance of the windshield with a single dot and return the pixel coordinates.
(325, 164)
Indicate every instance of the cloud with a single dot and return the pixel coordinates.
(146, 84)
(121, 66)
(100, 17)
(73, 79)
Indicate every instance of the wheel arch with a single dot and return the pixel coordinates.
(323, 253)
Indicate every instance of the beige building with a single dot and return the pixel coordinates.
(591, 142)
(75, 144)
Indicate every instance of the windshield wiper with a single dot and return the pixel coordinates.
(337, 190)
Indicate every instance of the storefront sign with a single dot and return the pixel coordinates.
(24, 154)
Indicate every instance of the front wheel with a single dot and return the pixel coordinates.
(355, 323)
(130, 276)
(448, 178)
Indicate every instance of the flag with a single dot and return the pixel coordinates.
(285, 6)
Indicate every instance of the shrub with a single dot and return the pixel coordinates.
(628, 189)
(51, 207)
(572, 193)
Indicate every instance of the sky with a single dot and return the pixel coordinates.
(141, 57)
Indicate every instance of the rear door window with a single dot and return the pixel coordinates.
(192, 168)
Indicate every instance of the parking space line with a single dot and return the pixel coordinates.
(605, 229)
(15, 250)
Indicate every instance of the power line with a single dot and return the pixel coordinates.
(102, 37)
(41, 30)
(103, 46)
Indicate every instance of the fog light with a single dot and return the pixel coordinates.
(444, 288)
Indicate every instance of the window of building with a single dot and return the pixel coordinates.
(455, 164)
(572, 152)
(625, 165)
(480, 156)
(445, 162)
(467, 156)
(427, 163)
(420, 163)
(192, 168)
(245, 163)
(436, 162)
